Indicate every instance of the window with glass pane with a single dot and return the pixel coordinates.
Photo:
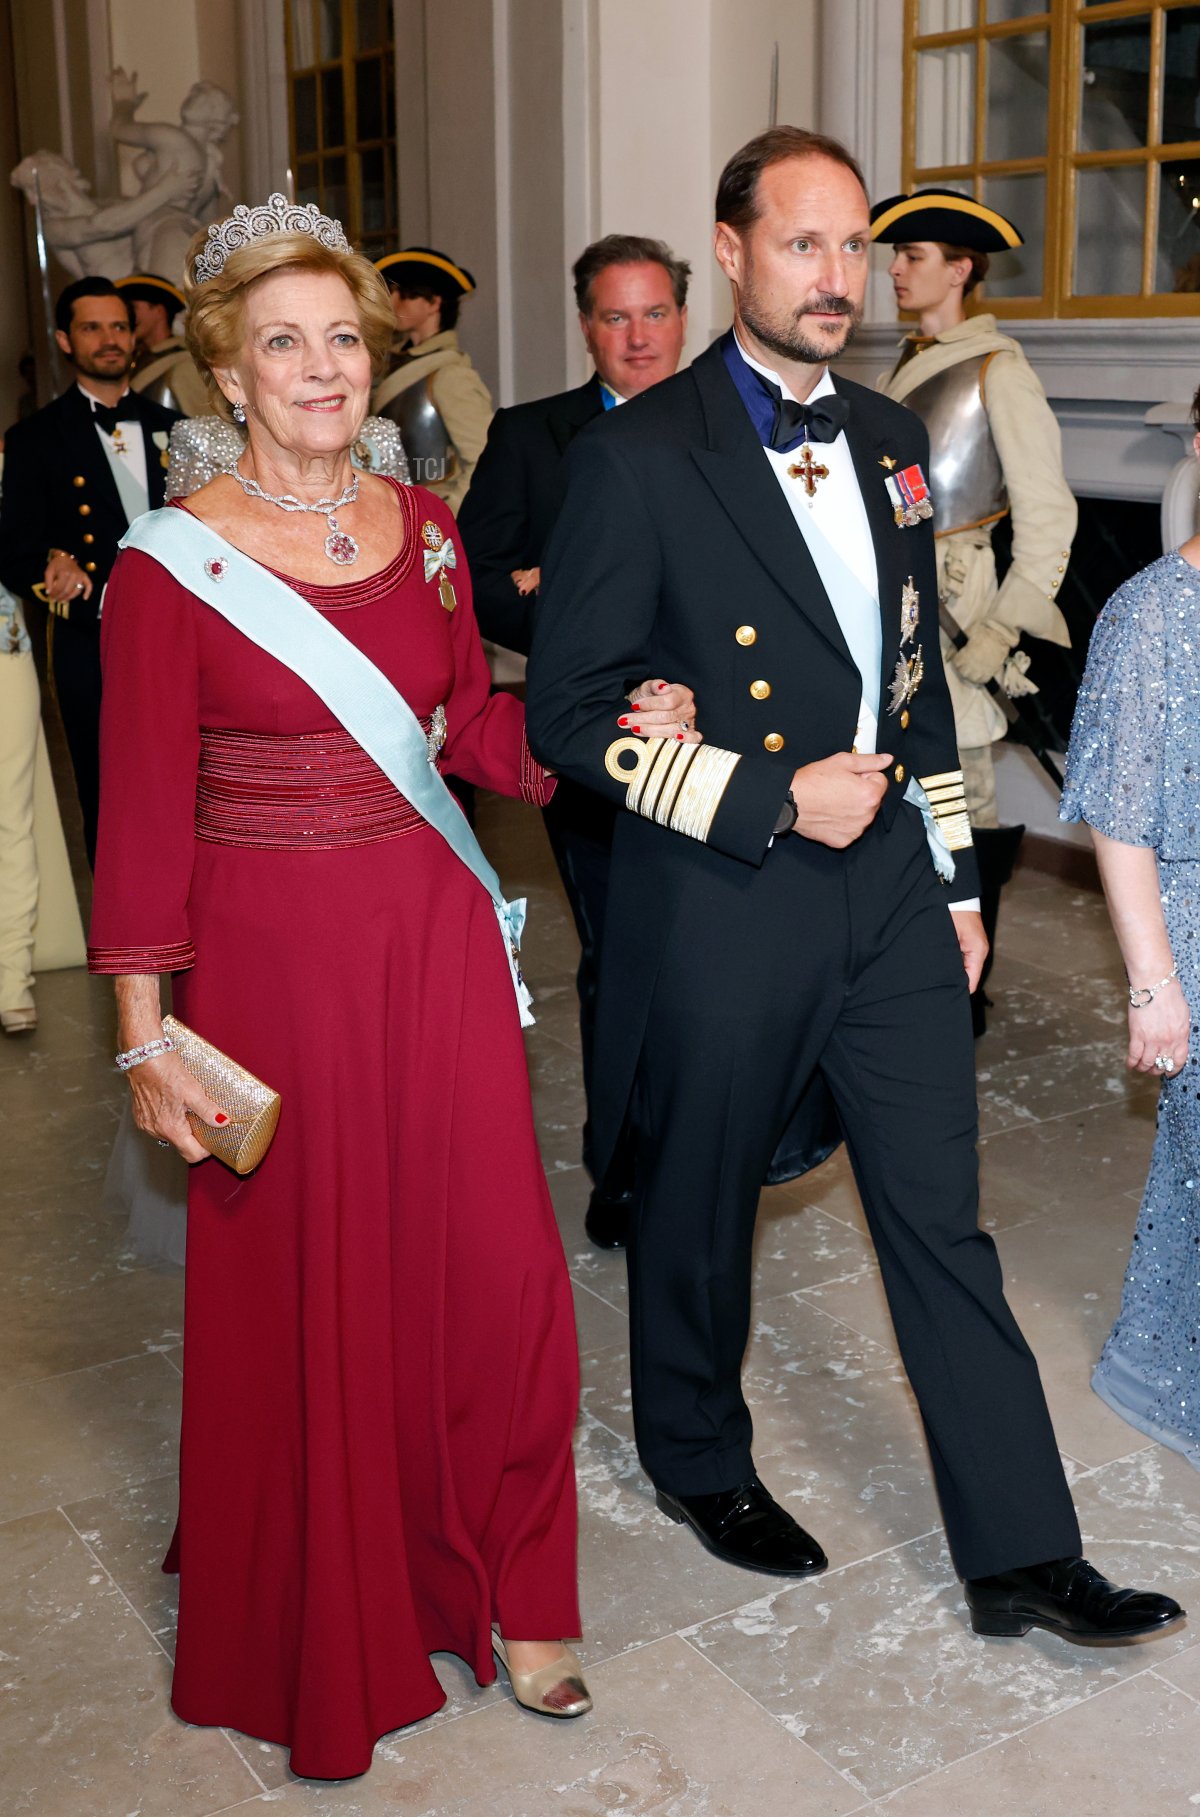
(1018, 97)
(1022, 200)
(946, 105)
(1114, 110)
(342, 113)
(1080, 121)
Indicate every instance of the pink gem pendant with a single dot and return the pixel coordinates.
(340, 546)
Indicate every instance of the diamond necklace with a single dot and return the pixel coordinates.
(340, 546)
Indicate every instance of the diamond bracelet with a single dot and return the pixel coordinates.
(1141, 999)
(133, 1056)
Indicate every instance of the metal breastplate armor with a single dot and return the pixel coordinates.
(431, 453)
(158, 391)
(966, 480)
(160, 362)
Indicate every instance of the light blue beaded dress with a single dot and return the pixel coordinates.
(1133, 773)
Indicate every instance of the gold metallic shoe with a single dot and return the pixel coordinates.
(554, 1690)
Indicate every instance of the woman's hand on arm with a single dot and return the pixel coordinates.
(662, 709)
(1159, 1029)
(163, 1089)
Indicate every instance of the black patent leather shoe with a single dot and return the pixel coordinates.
(746, 1526)
(1069, 1597)
(607, 1220)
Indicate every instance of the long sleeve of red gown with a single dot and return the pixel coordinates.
(485, 732)
(149, 751)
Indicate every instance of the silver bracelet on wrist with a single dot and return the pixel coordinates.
(133, 1056)
(1140, 999)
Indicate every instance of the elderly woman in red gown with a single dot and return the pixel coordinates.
(380, 1363)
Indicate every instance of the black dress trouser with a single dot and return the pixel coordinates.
(580, 827)
(76, 665)
(846, 961)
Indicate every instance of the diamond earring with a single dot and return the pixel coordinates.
(239, 413)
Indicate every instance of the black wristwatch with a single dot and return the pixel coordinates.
(789, 814)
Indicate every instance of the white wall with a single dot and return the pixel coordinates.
(653, 149)
(657, 95)
(744, 35)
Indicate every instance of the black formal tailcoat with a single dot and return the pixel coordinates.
(515, 496)
(59, 493)
(674, 535)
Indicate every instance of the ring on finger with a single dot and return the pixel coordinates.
(685, 725)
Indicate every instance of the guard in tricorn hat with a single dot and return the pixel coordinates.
(433, 392)
(995, 450)
(163, 369)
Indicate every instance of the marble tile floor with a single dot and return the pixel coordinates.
(718, 1694)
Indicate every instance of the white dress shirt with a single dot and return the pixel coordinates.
(126, 455)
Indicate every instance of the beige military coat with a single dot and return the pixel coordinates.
(171, 361)
(1044, 514)
(461, 399)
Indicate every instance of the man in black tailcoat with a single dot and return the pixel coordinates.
(75, 476)
(632, 298)
(796, 897)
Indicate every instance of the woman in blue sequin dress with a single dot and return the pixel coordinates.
(1133, 774)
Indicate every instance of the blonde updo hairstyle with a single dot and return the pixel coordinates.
(216, 313)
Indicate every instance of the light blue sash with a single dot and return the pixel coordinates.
(275, 617)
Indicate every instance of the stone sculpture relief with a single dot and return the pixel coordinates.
(177, 168)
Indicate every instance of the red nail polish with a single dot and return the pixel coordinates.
(220, 1117)
(661, 687)
(624, 720)
(679, 737)
(637, 728)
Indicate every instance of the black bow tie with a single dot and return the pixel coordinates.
(107, 417)
(819, 422)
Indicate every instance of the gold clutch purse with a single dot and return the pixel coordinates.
(251, 1106)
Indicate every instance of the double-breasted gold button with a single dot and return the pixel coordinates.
(88, 537)
(904, 720)
(90, 567)
(85, 510)
(761, 690)
(901, 772)
(746, 634)
(79, 480)
(773, 741)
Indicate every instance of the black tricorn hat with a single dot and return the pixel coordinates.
(422, 267)
(148, 287)
(944, 215)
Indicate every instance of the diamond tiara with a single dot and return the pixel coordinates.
(245, 225)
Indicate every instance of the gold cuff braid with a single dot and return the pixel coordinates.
(947, 798)
(676, 785)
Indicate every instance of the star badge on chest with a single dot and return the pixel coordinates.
(908, 676)
(910, 612)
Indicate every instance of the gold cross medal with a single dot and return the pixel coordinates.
(910, 612)
(809, 470)
(440, 556)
